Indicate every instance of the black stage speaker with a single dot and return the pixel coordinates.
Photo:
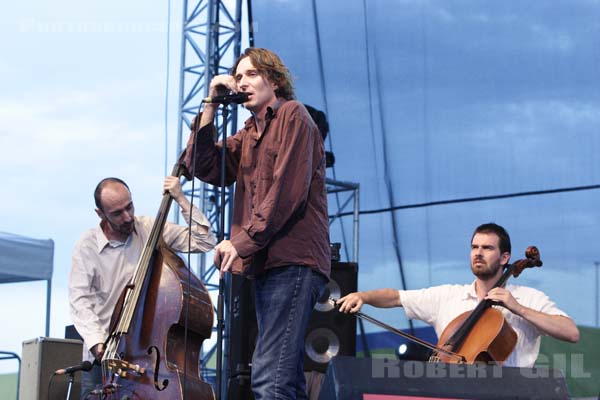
(71, 333)
(242, 337)
(351, 378)
(331, 333)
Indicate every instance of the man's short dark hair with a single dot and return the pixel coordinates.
(499, 231)
(100, 186)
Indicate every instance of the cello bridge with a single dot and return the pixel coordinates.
(435, 358)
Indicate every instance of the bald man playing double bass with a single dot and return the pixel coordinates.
(105, 257)
(529, 311)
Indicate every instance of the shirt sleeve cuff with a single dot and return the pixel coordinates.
(407, 303)
(204, 135)
(198, 217)
(93, 340)
(244, 244)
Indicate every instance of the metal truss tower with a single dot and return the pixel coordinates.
(211, 42)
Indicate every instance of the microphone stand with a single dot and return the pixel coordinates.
(71, 379)
(220, 302)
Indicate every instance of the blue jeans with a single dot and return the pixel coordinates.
(284, 299)
(91, 380)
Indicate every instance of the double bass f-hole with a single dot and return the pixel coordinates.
(165, 382)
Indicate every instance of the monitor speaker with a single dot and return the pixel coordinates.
(40, 358)
(242, 339)
(331, 333)
(351, 378)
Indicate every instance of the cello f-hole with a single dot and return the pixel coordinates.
(165, 382)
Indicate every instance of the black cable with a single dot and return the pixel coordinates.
(50, 384)
(250, 24)
(386, 164)
(474, 199)
(363, 335)
(168, 68)
(220, 297)
(221, 233)
(326, 110)
(189, 262)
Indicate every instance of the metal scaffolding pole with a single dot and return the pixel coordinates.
(211, 42)
(335, 188)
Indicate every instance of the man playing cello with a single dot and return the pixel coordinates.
(529, 311)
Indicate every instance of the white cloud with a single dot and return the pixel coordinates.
(568, 112)
(552, 38)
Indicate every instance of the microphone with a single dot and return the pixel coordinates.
(237, 98)
(84, 366)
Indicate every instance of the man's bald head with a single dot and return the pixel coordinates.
(110, 181)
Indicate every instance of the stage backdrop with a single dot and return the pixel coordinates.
(456, 114)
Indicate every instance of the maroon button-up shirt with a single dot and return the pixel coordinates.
(280, 209)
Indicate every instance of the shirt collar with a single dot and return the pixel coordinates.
(102, 241)
(470, 293)
(270, 114)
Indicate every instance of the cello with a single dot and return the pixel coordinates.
(153, 349)
(480, 335)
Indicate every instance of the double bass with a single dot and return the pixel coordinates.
(480, 335)
(158, 325)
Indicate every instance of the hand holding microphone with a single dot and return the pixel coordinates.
(220, 91)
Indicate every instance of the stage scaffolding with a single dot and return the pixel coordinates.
(352, 191)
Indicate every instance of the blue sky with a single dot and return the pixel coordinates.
(82, 97)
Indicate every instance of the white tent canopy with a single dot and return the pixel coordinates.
(24, 259)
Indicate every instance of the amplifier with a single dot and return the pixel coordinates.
(39, 359)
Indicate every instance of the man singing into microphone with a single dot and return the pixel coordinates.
(280, 229)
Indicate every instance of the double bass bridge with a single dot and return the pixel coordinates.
(124, 369)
